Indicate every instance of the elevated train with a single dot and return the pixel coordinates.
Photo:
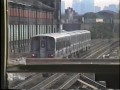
(60, 45)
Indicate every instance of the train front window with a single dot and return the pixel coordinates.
(50, 44)
(35, 44)
(42, 44)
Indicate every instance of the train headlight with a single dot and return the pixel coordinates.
(34, 55)
(50, 55)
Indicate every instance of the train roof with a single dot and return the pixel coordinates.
(63, 34)
(78, 32)
(54, 35)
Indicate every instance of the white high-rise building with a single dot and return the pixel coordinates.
(87, 6)
(62, 7)
(97, 9)
(76, 6)
(112, 7)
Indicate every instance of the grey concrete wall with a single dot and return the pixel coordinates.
(71, 27)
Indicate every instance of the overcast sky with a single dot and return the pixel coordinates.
(101, 3)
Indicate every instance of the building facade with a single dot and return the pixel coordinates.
(70, 21)
(28, 18)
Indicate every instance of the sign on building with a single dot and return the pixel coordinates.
(99, 20)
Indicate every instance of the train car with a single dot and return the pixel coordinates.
(59, 45)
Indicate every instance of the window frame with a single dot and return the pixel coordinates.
(4, 43)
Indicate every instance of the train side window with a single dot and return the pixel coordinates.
(57, 45)
(61, 44)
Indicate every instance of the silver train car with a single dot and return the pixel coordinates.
(60, 45)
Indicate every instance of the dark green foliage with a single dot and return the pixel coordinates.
(102, 30)
(90, 15)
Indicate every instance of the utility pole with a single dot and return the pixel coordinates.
(4, 43)
(112, 25)
(83, 21)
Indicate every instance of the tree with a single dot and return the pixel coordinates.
(101, 30)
